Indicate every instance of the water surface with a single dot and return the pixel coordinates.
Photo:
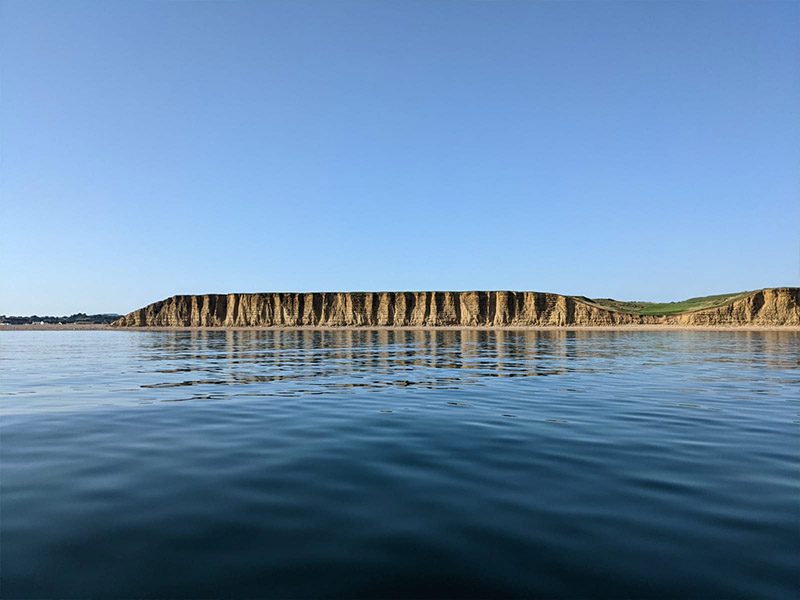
(399, 464)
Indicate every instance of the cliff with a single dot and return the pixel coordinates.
(774, 306)
(771, 306)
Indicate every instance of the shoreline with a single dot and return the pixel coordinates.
(101, 327)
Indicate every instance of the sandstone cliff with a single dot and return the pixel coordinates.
(771, 306)
(776, 306)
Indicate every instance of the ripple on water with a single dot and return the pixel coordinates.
(399, 464)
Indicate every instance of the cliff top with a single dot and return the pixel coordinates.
(669, 308)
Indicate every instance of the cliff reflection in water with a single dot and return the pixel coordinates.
(319, 361)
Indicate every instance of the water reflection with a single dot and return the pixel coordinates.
(316, 361)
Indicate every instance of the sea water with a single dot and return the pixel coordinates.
(410, 464)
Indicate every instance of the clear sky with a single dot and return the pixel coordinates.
(639, 150)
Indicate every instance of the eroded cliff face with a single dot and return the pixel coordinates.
(780, 306)
(772, 306)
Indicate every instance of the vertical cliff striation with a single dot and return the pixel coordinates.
(767, 307)
(778, 306)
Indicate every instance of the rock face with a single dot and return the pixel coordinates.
(776, 306)
(771, 306)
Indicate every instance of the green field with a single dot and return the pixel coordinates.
(666, 308)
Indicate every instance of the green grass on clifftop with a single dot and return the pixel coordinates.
(667, 308)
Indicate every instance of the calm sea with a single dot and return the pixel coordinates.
(409, 464)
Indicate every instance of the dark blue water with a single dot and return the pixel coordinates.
(399, 464)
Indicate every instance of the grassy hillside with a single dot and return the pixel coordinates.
(667, 308)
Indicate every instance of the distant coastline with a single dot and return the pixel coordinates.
(440, 328)
(75, 319)
(56, 327)
(770, 307)
(767, 309)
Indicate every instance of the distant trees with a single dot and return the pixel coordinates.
(77, 318)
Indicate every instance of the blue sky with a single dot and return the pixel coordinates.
(637, 150)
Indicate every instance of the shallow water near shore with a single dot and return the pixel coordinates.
(399, 464)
